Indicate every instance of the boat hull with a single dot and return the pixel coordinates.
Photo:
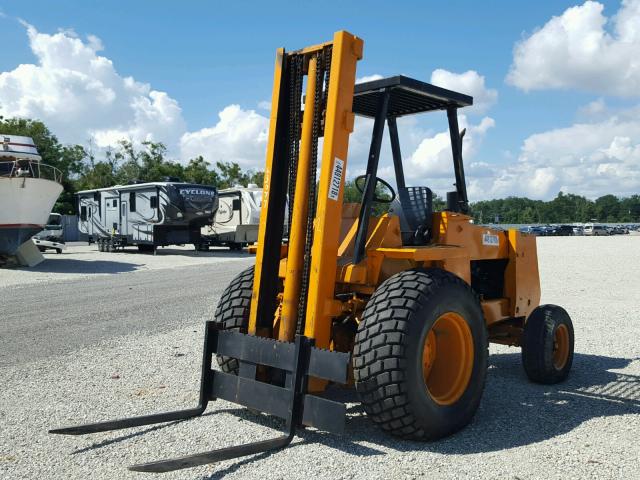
(25, 205)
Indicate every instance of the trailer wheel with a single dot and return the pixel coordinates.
(420, 355)
(232, 312)
(58, 250)
(547, 346)
(201, 247)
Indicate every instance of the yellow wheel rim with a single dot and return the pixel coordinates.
(560, 347)
(447, 358)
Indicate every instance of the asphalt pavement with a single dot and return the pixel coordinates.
(45, 319)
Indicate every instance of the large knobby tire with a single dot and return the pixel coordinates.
(420, 355)
(547, 344)
(232, 312)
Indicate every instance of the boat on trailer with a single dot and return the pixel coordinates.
(28, 192)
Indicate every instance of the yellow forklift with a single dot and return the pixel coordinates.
(400, 305)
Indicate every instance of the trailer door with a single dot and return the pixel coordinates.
(124, 217)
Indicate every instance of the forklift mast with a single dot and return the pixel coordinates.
(291, 164)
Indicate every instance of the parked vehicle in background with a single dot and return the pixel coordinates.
(620, 230)
(146, 214)
(564, 230)
(537, 231)
(52, 237)
(237, 219)
(578, 230)
(595, 230)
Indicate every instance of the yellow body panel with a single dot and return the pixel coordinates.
(522, 284)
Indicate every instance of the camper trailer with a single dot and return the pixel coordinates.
(146, 214)
(236, 222)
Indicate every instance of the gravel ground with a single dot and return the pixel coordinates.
(82, 261)
(586, 427)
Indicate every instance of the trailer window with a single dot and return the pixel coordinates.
(115, 204)
(132, 201)
(83, 213)
(236, 204)
(153, 201)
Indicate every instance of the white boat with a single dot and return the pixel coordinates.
(28, 192)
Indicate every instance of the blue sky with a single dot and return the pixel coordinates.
(209, 55)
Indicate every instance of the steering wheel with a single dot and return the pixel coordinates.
(359, 182)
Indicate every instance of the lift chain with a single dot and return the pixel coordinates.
(295, 108)
(319, 98)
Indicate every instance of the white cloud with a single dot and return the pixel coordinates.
(433, 159)
(469, 83)
(79, 94)
(582, 49)
(239, 136)
(590, 158)
(264, 105)
(427, 154)
(369, 78)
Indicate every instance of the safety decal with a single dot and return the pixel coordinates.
(336, 179)
(490, 240)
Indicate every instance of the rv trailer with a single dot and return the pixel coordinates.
(148, 215)
(236, 222)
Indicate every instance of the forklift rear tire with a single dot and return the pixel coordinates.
(232, 312)
(547, 344)
(420, 355)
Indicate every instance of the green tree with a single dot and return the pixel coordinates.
(607, 208)
(198, 171)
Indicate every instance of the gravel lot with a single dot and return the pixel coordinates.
(82, 261)
(584, 428)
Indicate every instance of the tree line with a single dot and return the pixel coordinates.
(126, 163)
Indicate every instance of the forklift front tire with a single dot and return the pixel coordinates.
(232, 312)
(547, 344)
(420, 355)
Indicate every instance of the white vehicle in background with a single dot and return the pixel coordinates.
(52, 237)
(595, 230)
(578, 229)
(236, 222)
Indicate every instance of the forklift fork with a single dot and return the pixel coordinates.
(290, 402)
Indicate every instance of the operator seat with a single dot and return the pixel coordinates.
(414, 207)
